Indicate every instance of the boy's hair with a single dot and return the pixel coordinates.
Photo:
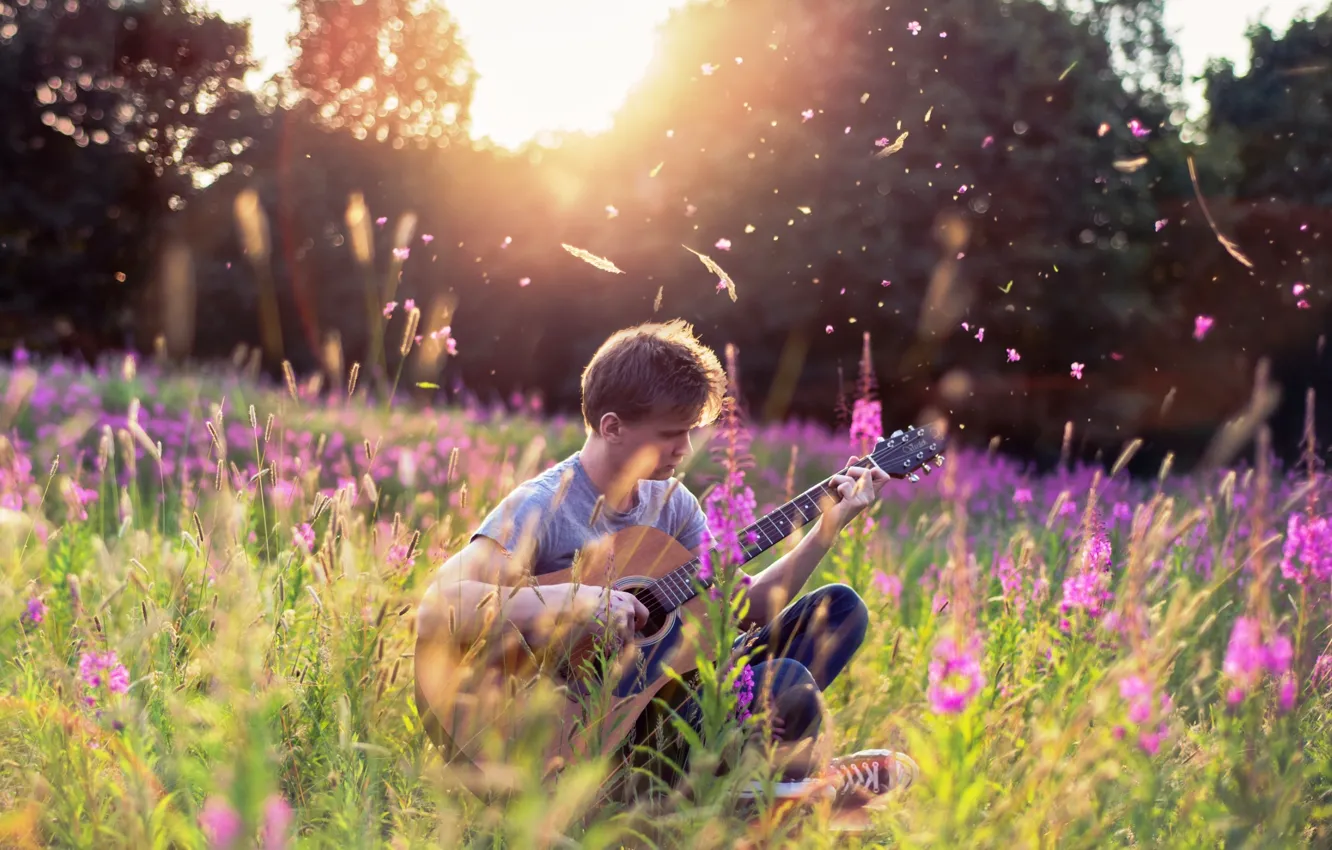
(653, 369)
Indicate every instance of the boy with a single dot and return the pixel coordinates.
(643, 392)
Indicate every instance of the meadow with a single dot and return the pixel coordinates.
(210, 583)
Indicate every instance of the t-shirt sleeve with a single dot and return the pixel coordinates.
(693, 531)
(520, 515)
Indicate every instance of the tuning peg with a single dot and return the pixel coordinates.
(895, 434)
(926, 467)
(938, 460)
(913, 478)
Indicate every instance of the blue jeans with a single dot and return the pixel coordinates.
(794, 658)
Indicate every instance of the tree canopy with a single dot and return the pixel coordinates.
(994, 191)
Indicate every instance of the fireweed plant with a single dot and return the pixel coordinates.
(207, 627)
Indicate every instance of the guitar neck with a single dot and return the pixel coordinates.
(682, 584)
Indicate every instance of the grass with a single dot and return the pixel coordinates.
(269, 682)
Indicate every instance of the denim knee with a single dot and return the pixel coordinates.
(847, 612)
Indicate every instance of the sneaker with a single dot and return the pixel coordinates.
(869, 773)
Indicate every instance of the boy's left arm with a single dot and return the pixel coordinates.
(772, 589)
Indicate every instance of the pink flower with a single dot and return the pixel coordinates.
(914, 26)
(221, 823)
(806, 115)
(723, 245)
(962, 190)
(1248, 657)
(525, 281)
(989, 140)
(381, 221)
(1013, 355)
(1160, 223)
(303, 536)
(1201, 325)
(1286, 693)
(1076, 370)
(955, 677)
(889, 585)
(1137, 129)
(708, 68)
(426, 238)
(401, 254)
(1010, 582)
(389, 308)
(885, 283)
(882, 142)
(828, 329)
(980, 334)
(277, 820)
(1302, 304)
(401, 554)
(97, 669)
(1322, 671)
(36, 611)
(1022, 496)
(451, 346)
(866, 420)
(1306, 557)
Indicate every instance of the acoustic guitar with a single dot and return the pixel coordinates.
(472, 698)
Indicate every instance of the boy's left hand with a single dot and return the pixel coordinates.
(857, 489)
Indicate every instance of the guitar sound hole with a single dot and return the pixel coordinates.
(656, 616)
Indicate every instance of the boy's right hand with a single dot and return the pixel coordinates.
(615, 611)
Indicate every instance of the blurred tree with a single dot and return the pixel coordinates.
(390, 70)
(97, 102)
(760, 122)
(1272, 123)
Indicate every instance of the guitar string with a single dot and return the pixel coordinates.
(657, 585)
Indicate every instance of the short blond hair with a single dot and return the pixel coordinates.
(653, 369)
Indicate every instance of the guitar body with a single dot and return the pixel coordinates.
(471, 698)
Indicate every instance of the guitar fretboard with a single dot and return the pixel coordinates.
(682, 584)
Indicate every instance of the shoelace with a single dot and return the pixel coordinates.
(858, 774)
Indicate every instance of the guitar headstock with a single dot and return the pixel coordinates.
(903, 452)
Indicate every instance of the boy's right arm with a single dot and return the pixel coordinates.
(482, 578)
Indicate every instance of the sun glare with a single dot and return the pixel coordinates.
(543, 65)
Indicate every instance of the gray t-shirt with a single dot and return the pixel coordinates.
(556, 508)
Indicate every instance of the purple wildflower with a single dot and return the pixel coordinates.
(277, 820)
(1022, 496)
(955, 677)
(1307, 554)
(866, 420)
(1248, 658)
(36, 611)
(98, 669)
(744, 699)
(1010, 582)
(304, 537)
(730, 505)
(889, 585)
(1138, 693)
(220, 822)
(1322, 671)
(1286, 693)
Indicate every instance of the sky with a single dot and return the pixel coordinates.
(567, 64)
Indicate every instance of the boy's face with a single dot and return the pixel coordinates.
(650, 449)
